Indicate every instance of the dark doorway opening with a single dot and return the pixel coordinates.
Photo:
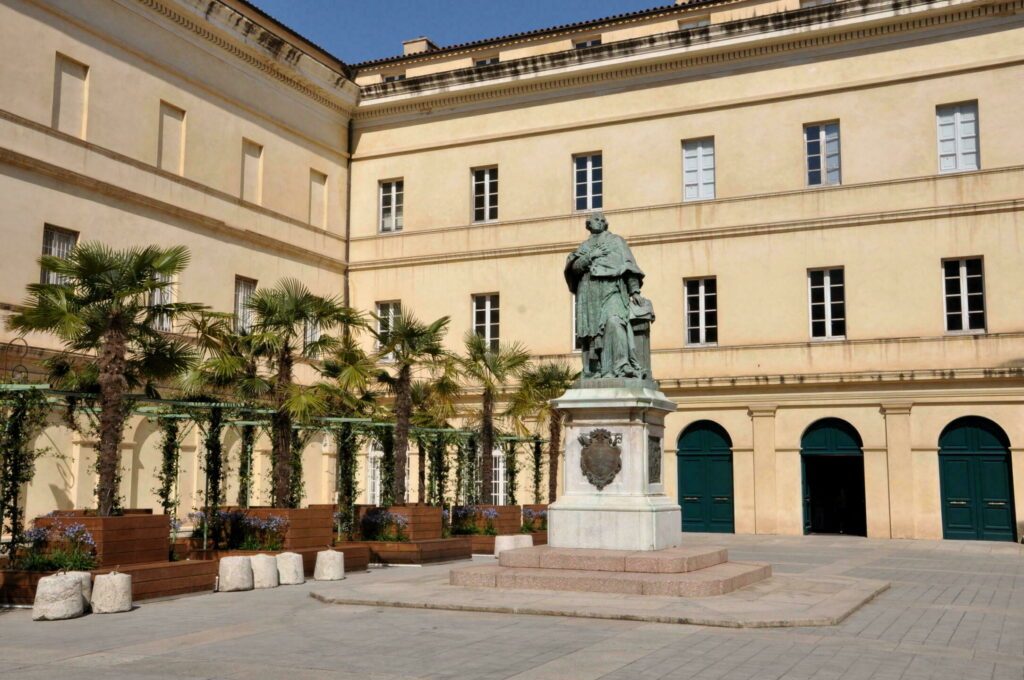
(835, 495)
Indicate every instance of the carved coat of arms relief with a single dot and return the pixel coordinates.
(601, 457)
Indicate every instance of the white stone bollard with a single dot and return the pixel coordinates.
(234, 573)
(112, 593)
(289, 569)
(86, 587)
(330, 566)
(523, 540)
(264, 571)
(58, 596)
(505, 542)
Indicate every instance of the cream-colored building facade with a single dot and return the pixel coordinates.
(826, 201)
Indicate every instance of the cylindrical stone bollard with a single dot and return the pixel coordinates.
(509, 542)
(523, 541)
(234, 573)
(112, 593)
(289, 569)
(86, 587)
(330, 566)
(264, 571)
(58, 596)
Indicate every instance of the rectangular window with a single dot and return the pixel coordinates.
(373, 458)
(394, 78)
(317, 199)
(162, 296)
(588, 177)
(252, 172)
(699, 169)
(391, 205)
(822, 143)
(498, 480)
(589, 42)
(701, 311)
(387, 314)
(486, 61)
(58, 243)
(310, 334)
(486, 318)
(964, 288)
(958, 137)
(485, 194)
(244, 288)
(171, 152)
(827, 296)
(70, 96)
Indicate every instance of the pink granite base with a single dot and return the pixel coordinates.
(678, 572)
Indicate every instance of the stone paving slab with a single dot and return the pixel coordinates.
(780, 601)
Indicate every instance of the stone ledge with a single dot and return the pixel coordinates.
(668, 561)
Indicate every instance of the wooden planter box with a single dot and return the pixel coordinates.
(509, 521)
(149, 581)
(536, 507)
(307, 527)
(484, 545)
(414, 552)
(135, 538)
(424, 521)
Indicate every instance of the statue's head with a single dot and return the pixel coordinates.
(596, 223)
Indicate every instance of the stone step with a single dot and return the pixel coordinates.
(669, 561)
(715, 580)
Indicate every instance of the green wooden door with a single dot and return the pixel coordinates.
(704, 456)
(975, 479)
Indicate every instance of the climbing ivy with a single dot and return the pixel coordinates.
(24, 416)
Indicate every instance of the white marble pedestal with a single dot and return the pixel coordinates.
(630, 512)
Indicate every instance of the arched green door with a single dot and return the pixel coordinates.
(975, 479)
(704, 456)
(832, 462)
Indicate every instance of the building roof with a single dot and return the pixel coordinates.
(579, 25)
(279, 26)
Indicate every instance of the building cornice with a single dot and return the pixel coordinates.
(700, 234)
(260, 48)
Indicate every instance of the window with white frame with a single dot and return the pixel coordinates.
(310, 334)
(394, 77)
(699, 169)
(244, 289)
(821, 141)
(499, 484)
(373, 458)
(391, 205)
(162, 296)
(964, 292)
(58, 243)
(387, 314)
(827, 295)
(694, 22)
(486, 318)
(485, 194)
(588, 178)
(486, 61)
(589, 42)
(958, 136)
(701, 311)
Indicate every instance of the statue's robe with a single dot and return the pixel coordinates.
(603, 273)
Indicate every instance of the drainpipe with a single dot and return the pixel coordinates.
(348, 210)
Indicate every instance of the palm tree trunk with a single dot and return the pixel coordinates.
(487, 449)
(554, 444)
(403, 414)
(281, 423)
(113, 387)
(421, 472)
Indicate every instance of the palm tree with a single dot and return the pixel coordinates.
(411, 345)
(291, 324)
(105, 303)
(434, 404)
(491, 368)
(538, 386)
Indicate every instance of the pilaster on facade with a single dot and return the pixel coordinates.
(762, 419)
(900, 468)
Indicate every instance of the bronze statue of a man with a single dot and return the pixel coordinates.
(604, 276)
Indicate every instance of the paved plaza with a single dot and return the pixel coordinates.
(954, 610)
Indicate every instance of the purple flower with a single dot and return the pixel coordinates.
(444, 515)
(490, 513)
(36, 535)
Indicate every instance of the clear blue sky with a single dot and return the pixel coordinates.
(360, 30)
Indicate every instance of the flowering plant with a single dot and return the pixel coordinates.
(378, 524)
(261, 533)
(534, 520)
(58, 547)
